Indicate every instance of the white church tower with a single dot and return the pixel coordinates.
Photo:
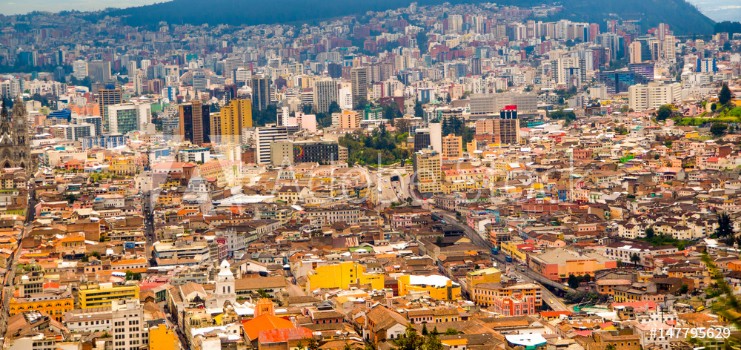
(224, 290)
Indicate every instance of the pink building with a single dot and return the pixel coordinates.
(516, 305)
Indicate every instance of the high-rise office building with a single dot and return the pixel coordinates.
(509, 126)
(195, 120)
(108, 96)
(476, 66)
(325, 92)
(260, 92)
(265, 137)
(99, 71)
(359, 80)
(235, 117)
(635, 51)
(421, 139)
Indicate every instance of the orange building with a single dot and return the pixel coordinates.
(268, 330)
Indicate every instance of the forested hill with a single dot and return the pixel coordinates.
(682, 17)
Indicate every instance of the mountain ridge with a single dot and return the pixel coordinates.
(683, 17)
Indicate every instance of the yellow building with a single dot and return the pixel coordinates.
(235, 116)
(32, 294)
(490, 275)
(510, 248)
(452, 147)
(455, 343)
(438, 287)
(343, 275)
(428, 168)
(50, 304)
(349, 120)
(100, 295)
(215, 120)
(163, 338)
(122, 166)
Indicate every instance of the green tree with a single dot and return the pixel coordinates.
(718, 129)
(724, 96)
(422, 41)
(635, 259)
(391, 111)
(724, 231)
(573, 281)
(71, 198)
(424, 329)
(664, 112)
(401, 125)
(650, 233)
(410, 340)
(451, 331)
(432, 342)
(727, 305)
(683, 289)
(419, 112)
(133, 276)
(361, 103)
(313, 344)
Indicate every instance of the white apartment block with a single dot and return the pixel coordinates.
(652, 96)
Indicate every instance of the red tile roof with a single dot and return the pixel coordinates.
(265, 322)
(284, 335)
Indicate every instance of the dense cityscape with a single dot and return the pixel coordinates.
(435, 177)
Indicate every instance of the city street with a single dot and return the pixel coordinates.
(527, 275)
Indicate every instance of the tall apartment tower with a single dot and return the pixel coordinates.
(235, 117)
(428, 171)
(359, 80)
(108, 96)
(260, 92)
(195, 122)
(325, 92)
(452, 147)
(507, 130)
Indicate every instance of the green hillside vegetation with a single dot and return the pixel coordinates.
(682, 17)
(730, 115)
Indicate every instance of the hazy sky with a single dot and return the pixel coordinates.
(24, 6)
(718, 10)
